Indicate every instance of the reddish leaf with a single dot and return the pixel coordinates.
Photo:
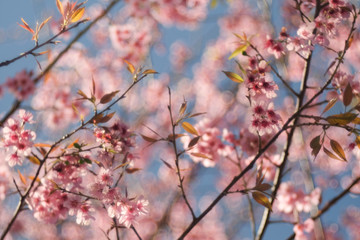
(26, 26)
(262, 187)
(148, 139)
(132, 170)
(193, 141)
(108, 97)
(315, 145)
(347, 95)
(60, 7)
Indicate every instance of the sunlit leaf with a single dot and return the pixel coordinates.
(213, 3)
(239, 50)
(330, 154)
(71, 145)
(42, 145)
(22, 178)
(44, 22)
(130, 67)
(234, 77)
(33, 159)
(330, 104)
(32, 178)
(189, 128)
(77, 15)
(81, 93)
(149, 71)
(336, 147)
(357, 141)
(122, 165)
(60, 7)
(200, 155)
(108, 97)
(356, 120)
(26, 26)
(341, 119)
(262, 199)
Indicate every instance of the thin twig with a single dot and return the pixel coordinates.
(271, 141)
(178, 171)
(42, 162)
(17, 103)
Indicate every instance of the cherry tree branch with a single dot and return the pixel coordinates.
(332, 202)
(49, 41)
(178, 170)
(273, 139)
(46, 156)
(17, 103)
(279, 172)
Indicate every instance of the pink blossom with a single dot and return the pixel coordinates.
(83, 216)
(301, 228)
(21, 85)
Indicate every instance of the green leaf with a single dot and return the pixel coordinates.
(239, 50)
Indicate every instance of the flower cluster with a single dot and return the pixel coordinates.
(18, 140)
(319, 31)
(22, 85)
(118, 138)
(290, 199)
(209, 145)
(301, 229)
(261, 89)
